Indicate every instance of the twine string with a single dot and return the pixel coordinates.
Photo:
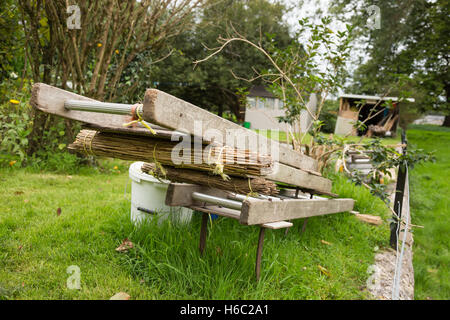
(218, 169)
(139, 120)
(93, 133)
(158, 164)
(251, 193)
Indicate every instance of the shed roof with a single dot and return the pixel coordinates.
(359, 96)
(260, 91)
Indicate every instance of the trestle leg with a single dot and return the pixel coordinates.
(259, 252)
(203, 232)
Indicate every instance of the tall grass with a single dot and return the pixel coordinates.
(430, 207)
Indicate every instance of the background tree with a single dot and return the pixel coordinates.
(295, 73)
(211, 85)
(413, 41)
(90, 60)
(12, 56)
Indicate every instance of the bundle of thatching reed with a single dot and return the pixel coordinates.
(235, 184)
(218, 159)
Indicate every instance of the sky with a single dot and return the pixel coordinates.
(307, 8)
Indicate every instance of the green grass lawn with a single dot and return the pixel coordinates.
(37, 246)
(430, 207)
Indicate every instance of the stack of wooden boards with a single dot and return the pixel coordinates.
(256, 187)
(253, 169)
(169, 117)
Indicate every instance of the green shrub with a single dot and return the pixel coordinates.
(15, 123)
(15, 127)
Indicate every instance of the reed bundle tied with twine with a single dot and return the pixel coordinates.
(220, 160)
(238, 185)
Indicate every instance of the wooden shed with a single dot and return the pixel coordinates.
(379, 114)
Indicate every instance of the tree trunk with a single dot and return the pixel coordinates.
(447, 94)
(35, 137)
(446, 121)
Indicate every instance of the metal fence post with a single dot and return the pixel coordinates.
(399, 191)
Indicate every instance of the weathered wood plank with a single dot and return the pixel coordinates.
(255, 211)
(277, 225)
(300, 178)
(235, 214)
(51, 100)
(171, 112)
(180, 194)
(161, 133)
(371, 219)
(224, 212)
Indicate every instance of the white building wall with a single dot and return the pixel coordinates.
(262, 114)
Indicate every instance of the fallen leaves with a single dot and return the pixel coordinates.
(58, 212)
(125, 246)
(326, 242)
(120, 296)
(323, 270)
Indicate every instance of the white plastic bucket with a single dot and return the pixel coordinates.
(148, 194)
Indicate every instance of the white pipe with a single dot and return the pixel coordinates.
(102, 107)
(216, 200)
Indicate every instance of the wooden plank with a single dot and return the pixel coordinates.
(168, 111)
(224, 212)
(277, 225)
(306, 193)
(300, 178)
(375, 220)
(235, 214)
(51, 100)
(349, 114)
(255, 211)
(161, 133)
(180, 194)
